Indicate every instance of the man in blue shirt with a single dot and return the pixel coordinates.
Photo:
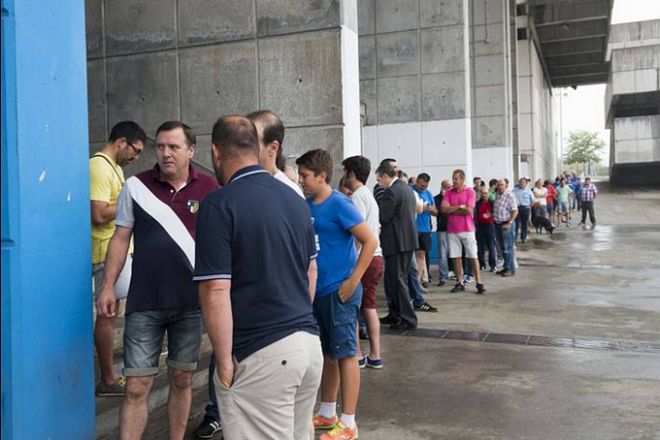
(424, 227)
(337, 224)
(525, 199)
(255, 265)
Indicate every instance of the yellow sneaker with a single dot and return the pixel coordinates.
(321, 422)
(341, 432)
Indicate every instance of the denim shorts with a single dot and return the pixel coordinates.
(338, 321)
(143, 340)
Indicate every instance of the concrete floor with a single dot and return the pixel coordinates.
(601, 284)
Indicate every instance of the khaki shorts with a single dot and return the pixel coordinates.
(462, 240)
(274, 391)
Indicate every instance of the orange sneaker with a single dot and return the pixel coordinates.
(321, 422)
(341, 432)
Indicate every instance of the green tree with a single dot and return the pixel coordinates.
(584, 149)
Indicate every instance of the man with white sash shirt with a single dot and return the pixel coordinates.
(159, 208)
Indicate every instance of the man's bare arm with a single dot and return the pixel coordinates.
(114, 262)
(215, 300)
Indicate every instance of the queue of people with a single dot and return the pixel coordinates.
(279, 268)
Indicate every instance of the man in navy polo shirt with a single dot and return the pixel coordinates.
(159, 209)
(256, 271)
(338, 224)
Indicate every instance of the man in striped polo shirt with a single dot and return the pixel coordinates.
(159, 208)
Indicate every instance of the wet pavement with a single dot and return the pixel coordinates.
(569, 348)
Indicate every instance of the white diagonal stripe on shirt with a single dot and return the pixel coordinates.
(164, 215)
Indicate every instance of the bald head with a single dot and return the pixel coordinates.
(235, 136)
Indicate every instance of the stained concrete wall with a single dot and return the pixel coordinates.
(536, 110)
(637, 139)
(195, 60)
(632, 103)
(414, 84)
(491, 93)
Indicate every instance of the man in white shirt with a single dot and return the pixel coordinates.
(356, 173)
(271, 135)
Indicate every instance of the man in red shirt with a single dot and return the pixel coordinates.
(550, 200)
(485, 231)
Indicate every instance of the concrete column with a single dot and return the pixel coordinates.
(536, 110)
(195, 60)
(492, 132)
(414, 83)
(47, 347)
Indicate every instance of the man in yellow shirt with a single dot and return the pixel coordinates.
(126, 142)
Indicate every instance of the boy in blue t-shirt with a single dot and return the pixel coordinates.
(337, 224)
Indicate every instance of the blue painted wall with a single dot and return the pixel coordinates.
(47, 357)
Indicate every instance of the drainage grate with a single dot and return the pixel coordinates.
(539, 341)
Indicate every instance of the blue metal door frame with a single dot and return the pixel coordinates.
(47, 355)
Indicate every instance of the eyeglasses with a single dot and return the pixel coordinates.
(136, 149)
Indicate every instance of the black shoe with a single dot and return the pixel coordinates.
(493, 270)
(364, 335)
(481, 289)
(500, 272)
(507, 273)
(441, 283)
(425, 284)
(389, 319)
(426, 307)
(459, 287)
(208, 428)
(401, 325)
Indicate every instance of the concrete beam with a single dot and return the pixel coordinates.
(595, 69)
(574, 48)
(571, 32)
(554, 11)
(575, 60)
(579, 80)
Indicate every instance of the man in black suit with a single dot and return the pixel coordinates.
(398, 238)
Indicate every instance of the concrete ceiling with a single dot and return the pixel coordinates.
(573, 36)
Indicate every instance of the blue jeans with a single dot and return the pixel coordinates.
(485, 241)
(143, 340)
(522, 222)
(506, 239)
(413, 283)
(443, 255)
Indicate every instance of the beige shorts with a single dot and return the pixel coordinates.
(462, 240)
(274, 391)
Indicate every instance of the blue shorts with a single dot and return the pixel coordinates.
(143, 340)
(337, 322)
